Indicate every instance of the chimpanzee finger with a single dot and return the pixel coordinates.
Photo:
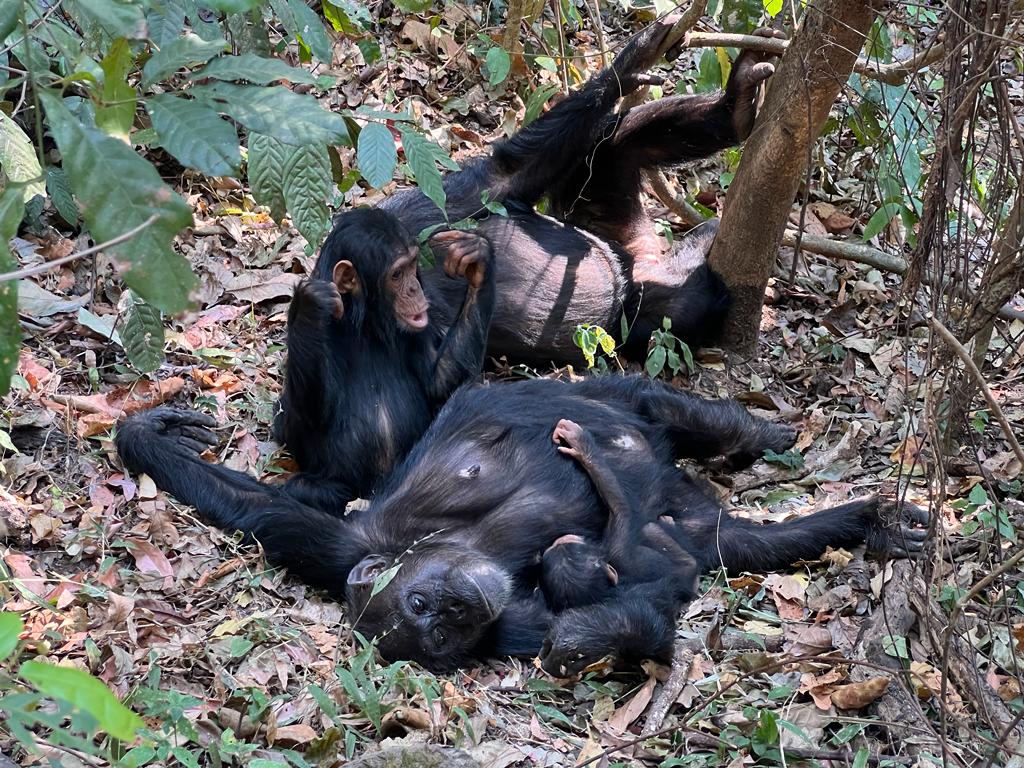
(916, 514)
(199, 433)
(913, 534)
(648, 79)
(181, 417)
(761, 71)
(193, 445)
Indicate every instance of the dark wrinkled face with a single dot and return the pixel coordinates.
(402, 285)
(435, 610)
(575, 572)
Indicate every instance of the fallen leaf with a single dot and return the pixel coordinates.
(858, 695)
(625, 715)
(293, 735)
(150, 559)
(22, 569)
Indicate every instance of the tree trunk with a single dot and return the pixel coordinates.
(806, 83)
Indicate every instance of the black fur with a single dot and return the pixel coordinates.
(466, 513)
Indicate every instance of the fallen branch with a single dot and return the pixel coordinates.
(38, 269)
(965, 357)
(895, 73)
(681, 663)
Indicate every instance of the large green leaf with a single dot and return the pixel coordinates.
(117, 113)
(253, 69)
(186, 51)
(115, 18)
(18, 158)
(421, 155)
(60, 194)
(307, 183)
(166, 19)
(120, 191)
(302, 23)
(12, 205)
(142, 334)
(376, 154)
(291, 117)
(195, 134)
(11, 626)
(85, 692)
(267, 158)
(9, 17)
(498, 65)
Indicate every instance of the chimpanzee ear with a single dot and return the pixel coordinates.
(367, 570)
(613, 575)
(345, 277)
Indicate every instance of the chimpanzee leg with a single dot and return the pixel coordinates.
(741, 545)
(699, 428)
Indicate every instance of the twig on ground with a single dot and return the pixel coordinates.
(681, 663)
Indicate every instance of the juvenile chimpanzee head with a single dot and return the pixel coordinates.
(436, 607)
(576, 572)
(372, 259)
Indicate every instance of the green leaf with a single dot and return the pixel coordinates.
(60, 194)
(384, 578)
(535, 103)
(9, 18)
(186, 51)
(291, 117)
(166, 19)
(307, 184)
(790, 459)
(12, 206)
(860, 760)
(421, 160)
(11, 626)
(18, 158)
(253, 69)
(232, 6)
(656, 361)
(376, 154)
(896, 646)
(498, 65)
(978, 497)
(772, 7)
(84, 692)
(267, 158)
(413, 6)
(117, 112)
(305, 25)
(115, 18)
(196, 135)
(879, 220)
(143, 334)
(120, 191)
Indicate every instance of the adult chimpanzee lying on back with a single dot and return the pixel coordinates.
(576, 571)
(465, 514)
(596, 256)
(367, 366)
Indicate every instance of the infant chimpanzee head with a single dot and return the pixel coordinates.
(576, 572)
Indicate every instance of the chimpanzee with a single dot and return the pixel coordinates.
(595, 258)
(575, 571)
(464, 514)
(368, 364)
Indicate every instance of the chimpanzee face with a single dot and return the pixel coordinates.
(435, 609)
(402, 286)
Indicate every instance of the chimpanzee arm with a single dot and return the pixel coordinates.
(305, 404)
(532, 160)
(461, 354)
(639, 624)
(519, 631)
(165, 443)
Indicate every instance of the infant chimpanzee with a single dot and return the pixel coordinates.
(636, 547)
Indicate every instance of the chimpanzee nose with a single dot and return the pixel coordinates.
(455, 611)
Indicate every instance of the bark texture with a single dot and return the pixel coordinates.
(812, 72)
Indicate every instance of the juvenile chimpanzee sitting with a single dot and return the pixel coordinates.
(595, 259)
(636, 548)
(369, 363)
(479, 495)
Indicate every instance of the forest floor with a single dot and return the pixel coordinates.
(238, 661)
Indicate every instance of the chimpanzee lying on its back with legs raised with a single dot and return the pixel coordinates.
(575, 571)
(466, 512)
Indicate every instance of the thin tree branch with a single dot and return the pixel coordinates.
(895, 73)
(47, 266)
(965, 357)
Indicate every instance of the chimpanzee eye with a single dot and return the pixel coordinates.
(396, 275)
(417, 603)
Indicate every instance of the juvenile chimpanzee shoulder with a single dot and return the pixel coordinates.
(368, 363)
(447, 601)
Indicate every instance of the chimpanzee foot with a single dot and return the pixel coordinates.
(189, 429)
(643, 51)
(749, 71)
(891, 528)
(767, 435)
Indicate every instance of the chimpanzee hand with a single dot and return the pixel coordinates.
(891, 530)
(642, 52)
(316, 300)
(575, 642)
(749, 71)
(764, 436)
(577, 441)
(466, 254)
